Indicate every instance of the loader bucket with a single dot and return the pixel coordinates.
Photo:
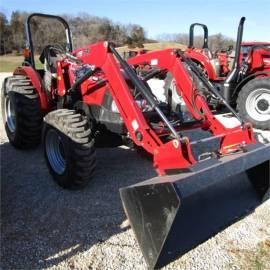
(172, 214)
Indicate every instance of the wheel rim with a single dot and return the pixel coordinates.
(10, 115)
(55, 151)
(258, 104)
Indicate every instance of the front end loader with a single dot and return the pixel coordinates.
(174, 213)
(84, 94)
(171, 215)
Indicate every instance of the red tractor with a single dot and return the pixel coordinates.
(243, 80)
(90, 97)
(214, 65)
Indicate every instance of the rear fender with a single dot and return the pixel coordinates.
(247, 79)
(36, 81)
(205, 62)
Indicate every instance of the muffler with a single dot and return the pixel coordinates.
(172, 214)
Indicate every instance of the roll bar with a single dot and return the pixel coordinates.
(29, 41)
(191, 35)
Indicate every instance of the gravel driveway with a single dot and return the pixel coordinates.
(46, 227)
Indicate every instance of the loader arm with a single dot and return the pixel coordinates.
(170, 155)
(172, 62)
(174, 154)
(170, 215)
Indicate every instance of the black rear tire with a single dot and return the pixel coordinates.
(69, 148)
(22, 115)
(253, 103)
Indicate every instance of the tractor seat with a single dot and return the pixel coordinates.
(49, 57)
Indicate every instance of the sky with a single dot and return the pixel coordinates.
(163, 16)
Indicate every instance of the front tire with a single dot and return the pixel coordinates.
(253, 103)
(21, 112)
(69, 148)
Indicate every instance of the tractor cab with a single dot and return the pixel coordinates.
(247, 46)
(256, 56)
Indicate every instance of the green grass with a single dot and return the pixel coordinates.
(8, 63)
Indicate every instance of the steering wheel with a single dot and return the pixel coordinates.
(50, 51)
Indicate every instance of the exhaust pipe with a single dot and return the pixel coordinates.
(236, 63)
(238, 43)
(172, 214)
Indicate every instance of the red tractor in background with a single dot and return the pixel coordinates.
(214, 65)
(247, 46)
(243, 80)
(217, 65)
(90, 97)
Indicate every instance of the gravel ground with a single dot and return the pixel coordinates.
(46, 227)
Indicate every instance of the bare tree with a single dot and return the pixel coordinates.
(86, 29)
(216, 42)
(5, 35)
